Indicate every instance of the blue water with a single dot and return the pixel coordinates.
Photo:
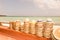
(55, 19)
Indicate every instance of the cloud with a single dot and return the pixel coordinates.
(47, 3)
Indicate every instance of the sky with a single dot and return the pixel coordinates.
(27, 8)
